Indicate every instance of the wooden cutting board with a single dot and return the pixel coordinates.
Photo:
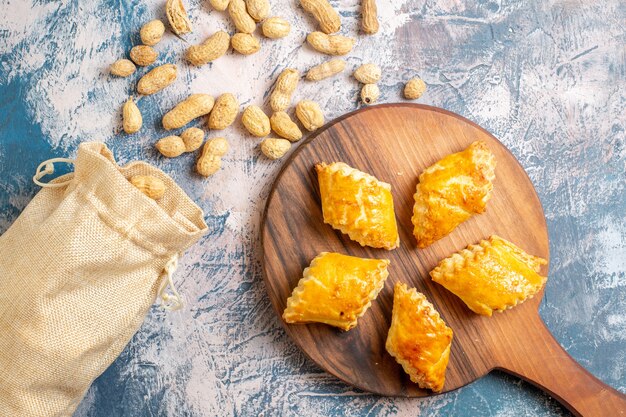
(395, 142)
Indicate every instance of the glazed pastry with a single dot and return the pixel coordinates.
(358, 204)
(493, 275)
(336, 289)
(418, 338)
(451, 191)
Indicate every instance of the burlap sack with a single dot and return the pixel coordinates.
(79, 270)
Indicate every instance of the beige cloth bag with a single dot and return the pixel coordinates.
(79, 270)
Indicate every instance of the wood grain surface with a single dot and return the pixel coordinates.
(395, 142)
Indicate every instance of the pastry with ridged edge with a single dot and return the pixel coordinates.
(358, 205)
(493, 275)
(336, 290)
(418, 338)
(451, 191)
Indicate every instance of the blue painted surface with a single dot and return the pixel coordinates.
(547, 78)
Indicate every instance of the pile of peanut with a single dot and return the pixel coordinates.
(221, 112)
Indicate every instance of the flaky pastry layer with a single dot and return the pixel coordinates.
(336, 289)
(418, 338)
(358, 205)
(493, 275)
(451, 191)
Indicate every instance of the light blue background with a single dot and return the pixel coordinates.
(546, 77)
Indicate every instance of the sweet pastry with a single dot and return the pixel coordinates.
(358, 205)
(336, 289)
(493, 275)
(451, 191)
(418, 338)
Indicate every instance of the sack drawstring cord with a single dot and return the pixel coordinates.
(47, 168)
(172, 301)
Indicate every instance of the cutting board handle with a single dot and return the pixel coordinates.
(537, 357)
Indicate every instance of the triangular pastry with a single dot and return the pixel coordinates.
(451, 191)
(493, 275)
(336, 289)
(358, 205)
(418, 338)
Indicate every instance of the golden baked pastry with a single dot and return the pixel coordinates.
(451, 191)
(336, 289)
(493, 275)
(418, 338)
(358, 205)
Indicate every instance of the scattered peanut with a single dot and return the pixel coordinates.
(370, 93)
(368, 74)
(242, 20)
(208, 164)
(157, 79)
(285, 127)
(275, 148)
(214, 47)
(177, 16)
(414, 88)
(258, 9)
(245, 43)
(323, 12)
(283, 89)
(224, 112)
(310, 115)
(195, 105)
(151, 186)
(330, 44)
(192, 138)
(256, 121)
(276, 27)
(152, 32)
(369, 16)
(326, 69)
(171, 146)
(210, 160)
(122, 68)
(219, 5)
(143, 55)
(131, 117)
(218, 146)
